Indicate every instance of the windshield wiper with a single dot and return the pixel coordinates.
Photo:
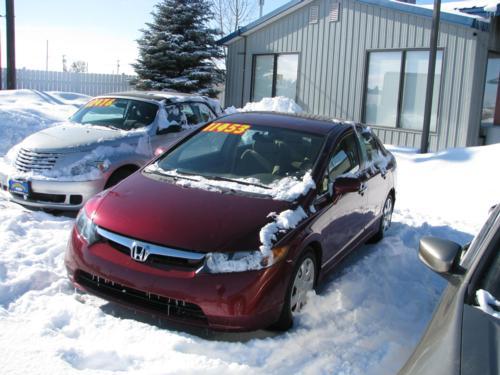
(173, 176)
(219, 178)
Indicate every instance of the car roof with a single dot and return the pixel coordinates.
(303, 122)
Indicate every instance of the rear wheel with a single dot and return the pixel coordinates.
(302, 281)
(386, 220)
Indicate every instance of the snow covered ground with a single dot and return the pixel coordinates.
(365, 320)
(23, 112)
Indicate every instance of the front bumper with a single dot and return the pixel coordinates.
(57, 195)
(240, 301)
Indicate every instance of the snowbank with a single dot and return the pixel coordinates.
(459, 185)
(24, 112)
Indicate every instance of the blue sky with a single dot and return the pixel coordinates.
(99, 32)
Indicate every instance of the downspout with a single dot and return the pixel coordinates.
(244, 70)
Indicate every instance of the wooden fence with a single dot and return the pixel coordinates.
(84, 83)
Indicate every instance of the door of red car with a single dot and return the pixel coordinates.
(342, 216)
(376, 175)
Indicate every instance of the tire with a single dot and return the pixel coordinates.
(385, 220)
(295, 299)
(118, 175)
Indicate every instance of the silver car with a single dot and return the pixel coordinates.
(102, 143)
(463, 336)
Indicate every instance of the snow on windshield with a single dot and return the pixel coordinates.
(286, 189)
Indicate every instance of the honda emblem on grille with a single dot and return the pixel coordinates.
(139, 252)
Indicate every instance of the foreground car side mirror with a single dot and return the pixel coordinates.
(343, 185)
(438, 254)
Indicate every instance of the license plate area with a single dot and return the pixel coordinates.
(19, 187)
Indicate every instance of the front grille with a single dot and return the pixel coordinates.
(41, 197)
(27, 160)
(170, 307)
(158, 261)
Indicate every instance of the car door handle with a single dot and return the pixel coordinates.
(362, 188)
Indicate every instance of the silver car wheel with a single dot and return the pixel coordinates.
(303, 283)
(387, 214)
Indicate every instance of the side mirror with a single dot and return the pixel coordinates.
(169, 129)
(438, 254)
(343, 185)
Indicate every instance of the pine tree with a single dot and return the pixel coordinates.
(177, 51)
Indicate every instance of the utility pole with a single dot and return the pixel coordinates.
(424, 145)
(47, 57)
(11, 45)
(64, 67)
(118, 66)
(261, 8)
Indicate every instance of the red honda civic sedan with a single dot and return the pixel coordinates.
(232, 226)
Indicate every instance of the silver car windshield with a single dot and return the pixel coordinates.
(118, 113)
(257, 154)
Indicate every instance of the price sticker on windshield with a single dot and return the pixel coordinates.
(229, 128)
(100, 102)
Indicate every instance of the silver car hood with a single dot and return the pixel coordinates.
(72, 137)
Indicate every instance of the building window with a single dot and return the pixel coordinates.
(275, 75)
(491, 99)
(382, 88)
(263, 76)
(395, 89)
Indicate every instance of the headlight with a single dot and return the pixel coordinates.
(86, 227)
(89, 166)
(243, 260)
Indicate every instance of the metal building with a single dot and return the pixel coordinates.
(366, 61)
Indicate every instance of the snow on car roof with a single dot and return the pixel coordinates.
(158, 95)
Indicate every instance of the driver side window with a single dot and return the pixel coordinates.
(344, 161)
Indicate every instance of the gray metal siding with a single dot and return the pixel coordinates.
(234, 74)
(332, 65)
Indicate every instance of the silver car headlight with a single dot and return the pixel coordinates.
(243, 260)
(86, 227)
(89, 166)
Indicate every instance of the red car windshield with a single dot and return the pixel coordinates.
(239, 151)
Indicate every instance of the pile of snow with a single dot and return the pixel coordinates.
(282, 222)
(276, 104)
(24, 112)
(457, 184)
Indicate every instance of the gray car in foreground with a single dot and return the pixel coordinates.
(464, 334)
(106, 140)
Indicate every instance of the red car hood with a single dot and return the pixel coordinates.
(187, 218)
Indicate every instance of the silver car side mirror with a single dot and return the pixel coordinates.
(438, 254)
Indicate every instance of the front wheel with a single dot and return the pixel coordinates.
(302, 281)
